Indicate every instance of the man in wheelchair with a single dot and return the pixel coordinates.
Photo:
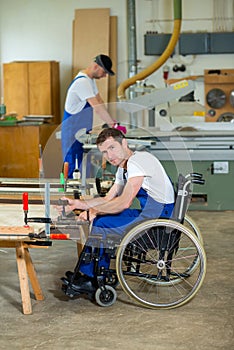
(139, 175)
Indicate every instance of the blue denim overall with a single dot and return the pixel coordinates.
(119, 224)
(71, 148)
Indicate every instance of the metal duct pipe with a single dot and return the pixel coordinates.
(162, 59)
(132, 49)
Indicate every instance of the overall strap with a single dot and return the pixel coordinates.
(81, 76)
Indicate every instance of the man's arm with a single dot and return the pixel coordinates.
(118, 204)
(114, 202)
(114, 191)
(86, 204)
(99, 108)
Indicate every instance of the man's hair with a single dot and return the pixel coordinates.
(110, 132)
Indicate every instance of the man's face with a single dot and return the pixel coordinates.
(99, 72)
(114, 152)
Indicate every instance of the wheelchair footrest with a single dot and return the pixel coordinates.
(71, 292)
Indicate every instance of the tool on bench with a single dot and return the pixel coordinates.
(76, 172)
(41, 170)
(47, 208)
(65, 173)
(25, 208)
(64, 177)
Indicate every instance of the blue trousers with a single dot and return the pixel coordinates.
(72, 148)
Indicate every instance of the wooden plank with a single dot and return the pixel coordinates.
(7, 243)
(91, 37)
(55, 92)
(23, 279)
(14, 233)
(44, 90)
(19, 230)
(15, 75)
(91, 31)
(112, 86)
(39, 88)
(32, 276)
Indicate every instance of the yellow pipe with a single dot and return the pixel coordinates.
(156, 65)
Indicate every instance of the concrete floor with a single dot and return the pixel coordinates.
(206, 322)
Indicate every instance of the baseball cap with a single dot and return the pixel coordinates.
(104, 62)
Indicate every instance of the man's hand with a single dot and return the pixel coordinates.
(71, 205)
(90, 215)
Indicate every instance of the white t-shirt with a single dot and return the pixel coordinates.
(156, 182)
(78, 92)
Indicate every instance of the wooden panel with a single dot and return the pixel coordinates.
(99, 30)
(44, 92)
(21, 160)
(55, 92)
(39, 88)
(91, 37)
(15, 77)
(15, 232)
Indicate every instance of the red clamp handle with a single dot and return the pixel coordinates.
(25, 201)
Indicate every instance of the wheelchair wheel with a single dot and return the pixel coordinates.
(190, 224)
(105, 297)
(154, 264)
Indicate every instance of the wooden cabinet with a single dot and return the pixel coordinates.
(32, 88)
(19, 149)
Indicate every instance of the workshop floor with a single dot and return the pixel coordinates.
(206, 322)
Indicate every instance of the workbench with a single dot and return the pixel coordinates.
(17, 237)
(12, 235)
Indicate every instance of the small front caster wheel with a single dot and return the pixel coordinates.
(106, 297)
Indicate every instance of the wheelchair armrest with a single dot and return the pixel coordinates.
(198, 181)
(196, 175)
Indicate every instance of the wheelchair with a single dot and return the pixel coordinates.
(159, 263)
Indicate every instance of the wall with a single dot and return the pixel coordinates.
(42, 30)
(197, 15)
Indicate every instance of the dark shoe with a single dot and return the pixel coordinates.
(83, 285)
(69, 291)
(65, 281)
(69, 275)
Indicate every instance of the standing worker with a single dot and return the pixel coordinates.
(82, 100)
